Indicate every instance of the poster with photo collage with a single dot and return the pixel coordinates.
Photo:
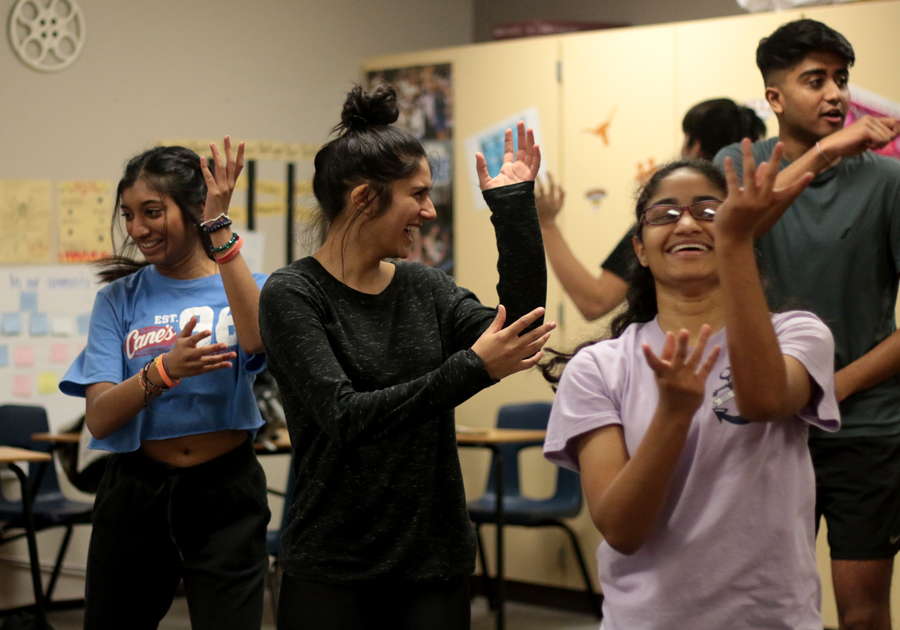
(426, 109)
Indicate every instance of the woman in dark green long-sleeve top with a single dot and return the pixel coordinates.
(372, 357)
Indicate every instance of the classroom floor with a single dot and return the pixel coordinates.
(518, 617)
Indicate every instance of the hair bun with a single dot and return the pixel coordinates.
(363, 110)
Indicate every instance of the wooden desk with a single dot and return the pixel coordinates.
(10, 457)
(281, 443)
(57, 438)
(493, 439)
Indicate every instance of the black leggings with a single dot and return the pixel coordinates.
(381, 603)
(155, 524)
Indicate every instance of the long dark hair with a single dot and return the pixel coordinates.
(369, 150)
(640, 298)
(173, 172)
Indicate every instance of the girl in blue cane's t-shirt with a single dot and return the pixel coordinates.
(167, 375)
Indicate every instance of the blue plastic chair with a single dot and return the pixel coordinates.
(51, 507)
(566, 501)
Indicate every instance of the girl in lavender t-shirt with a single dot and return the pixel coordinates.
(689, 425)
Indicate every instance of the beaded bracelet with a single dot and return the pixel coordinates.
(216, 250)
(164, 372)
(213, 220)
(232, 252)
(215, 225)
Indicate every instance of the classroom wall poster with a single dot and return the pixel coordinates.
(44, 321)
(25, 236)
(85, 214)
(426, 109)
(490, 143)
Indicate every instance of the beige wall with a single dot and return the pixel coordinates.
(646, 78)
(268, 70)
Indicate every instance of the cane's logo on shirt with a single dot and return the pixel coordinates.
(156, 339)
(149, 340)
(721, 398)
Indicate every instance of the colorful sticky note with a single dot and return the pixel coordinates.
(59, 353)
(24, 356)
(28, 301)
(38, 324)
(47, 383)
(22, 386)
(12, 324)
(4, 355)
(84, 323)
(61, 326)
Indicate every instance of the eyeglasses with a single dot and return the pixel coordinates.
(664, 215)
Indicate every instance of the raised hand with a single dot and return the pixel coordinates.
(549, 202)
(186, 359)
(869, 132)
(681, 379)
(518, 165)
(757, 201)
(504, 352)
(220, 187)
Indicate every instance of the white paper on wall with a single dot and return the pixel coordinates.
(758, 6)
(489, 142)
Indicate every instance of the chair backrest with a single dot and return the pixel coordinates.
(17, 424)
(533, 416)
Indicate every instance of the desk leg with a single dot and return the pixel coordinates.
(500, 517)
(32, 547)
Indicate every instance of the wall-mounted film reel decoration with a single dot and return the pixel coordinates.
(48, 35)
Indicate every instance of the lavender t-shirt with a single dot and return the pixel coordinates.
(734, 546)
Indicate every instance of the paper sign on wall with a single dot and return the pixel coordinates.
(25, 217)
(85, 211)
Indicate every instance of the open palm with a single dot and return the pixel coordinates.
(755, 200)
(518, 166)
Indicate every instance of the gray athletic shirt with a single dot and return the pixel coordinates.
(836, 252)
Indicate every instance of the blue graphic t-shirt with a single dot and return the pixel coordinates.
(137, 318)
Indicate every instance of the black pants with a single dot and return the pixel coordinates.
(382, 603)
(155, 524)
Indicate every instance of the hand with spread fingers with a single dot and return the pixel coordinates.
(681, 379)
(220, 187)
(519, 165)
(187, 358)
(757, 201)
(504, 352)
(549, 200)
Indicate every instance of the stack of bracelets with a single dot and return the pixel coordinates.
(231, 248)
(150, 389)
